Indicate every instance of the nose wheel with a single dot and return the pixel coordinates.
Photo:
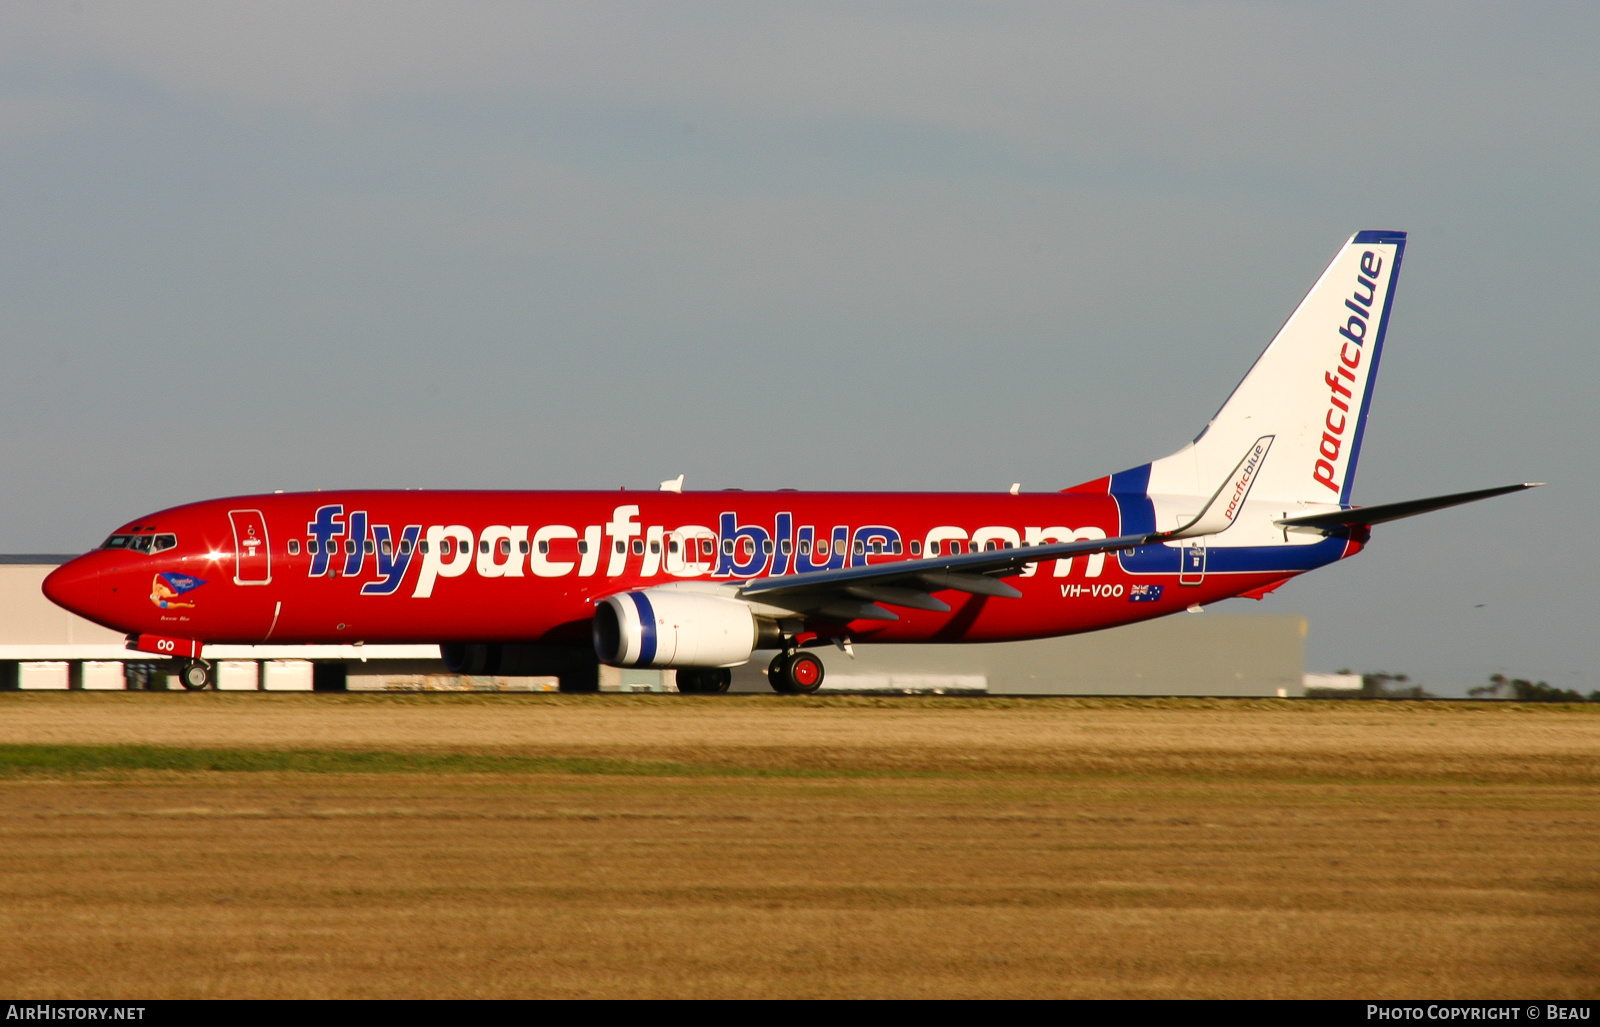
(195, 675)
(795, 673)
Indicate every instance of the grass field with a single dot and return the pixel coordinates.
(173, 845)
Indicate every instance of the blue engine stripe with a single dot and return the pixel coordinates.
(647, 628)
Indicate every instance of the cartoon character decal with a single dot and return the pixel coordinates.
(166, 588)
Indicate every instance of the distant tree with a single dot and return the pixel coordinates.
(1380, 685)
(1495, 689)
(1523, 690)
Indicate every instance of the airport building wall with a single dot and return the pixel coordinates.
(44, 647)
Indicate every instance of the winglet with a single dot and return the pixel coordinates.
(1227, 501)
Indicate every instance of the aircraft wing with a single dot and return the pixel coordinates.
(855, 591)
(1368, 515)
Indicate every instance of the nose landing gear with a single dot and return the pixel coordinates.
(195, 675)
(795, 673)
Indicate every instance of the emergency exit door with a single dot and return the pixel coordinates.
(252, 559)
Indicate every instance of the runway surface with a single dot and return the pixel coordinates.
(764, 846)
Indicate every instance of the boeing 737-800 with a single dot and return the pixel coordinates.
(558, 582)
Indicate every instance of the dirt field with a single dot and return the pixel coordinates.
(822, 847)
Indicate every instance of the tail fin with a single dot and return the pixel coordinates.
(1310, 389)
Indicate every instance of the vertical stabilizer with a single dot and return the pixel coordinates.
(1310, 389)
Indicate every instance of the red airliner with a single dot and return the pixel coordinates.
(558, 582)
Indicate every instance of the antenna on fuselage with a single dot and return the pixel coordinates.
(673, 484)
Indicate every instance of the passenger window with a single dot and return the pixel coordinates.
(638, 547)
(672, 546)
(706, 548)
(387, 547)
(877, 548)
(294, 547)
(522, 547)
(861, 547)
(805, 548)
(655, 548)
(786, 547)
(483, 545)
(583, 546)
(727, 546)
(422, 547)
(766, 547)
(444, 546)
(405, 546)
(505, 547)
(933, 548)
(916, 548)
(544, 547)
(366, 547)
(311, 545)
(621, 546)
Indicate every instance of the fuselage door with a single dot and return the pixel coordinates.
(1192, 568)
(252, 561)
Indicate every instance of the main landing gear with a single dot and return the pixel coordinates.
(790, 673)
(195, 675)
(795, 673)
(704, 680)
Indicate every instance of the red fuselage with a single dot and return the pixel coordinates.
(417, 566)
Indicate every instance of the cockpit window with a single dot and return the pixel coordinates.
(142, 543)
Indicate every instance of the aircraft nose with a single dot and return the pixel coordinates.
(75, 585)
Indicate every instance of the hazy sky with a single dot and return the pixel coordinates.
(934, 245)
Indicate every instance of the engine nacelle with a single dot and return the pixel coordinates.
(669, 628)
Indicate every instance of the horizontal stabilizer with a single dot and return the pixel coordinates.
(1367, 515)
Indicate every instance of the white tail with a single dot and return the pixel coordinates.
(1309, 390)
